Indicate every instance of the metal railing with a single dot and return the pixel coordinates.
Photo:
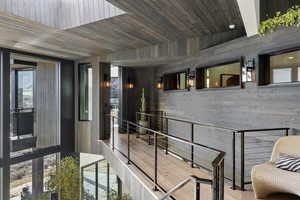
(242, 149)
(165, 129)
(217, 181)
(196, 180)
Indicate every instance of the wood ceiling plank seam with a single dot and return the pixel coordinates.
(107, 32)
(217, 8)
(120, 33)
(136, 36)
(199, 19)
(162, 15)
(194, 23)
(177, 18)
(208, 15)
(108, 44)
(146, 13)
(159, 37)
(227, 9)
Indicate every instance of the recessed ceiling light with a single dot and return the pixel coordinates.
(232, 26)
(291, 57)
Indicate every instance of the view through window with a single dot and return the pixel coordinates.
(227, 75)
(284, 68)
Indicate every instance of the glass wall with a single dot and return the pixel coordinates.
(85, 72)
(222, 76)
(34, 104)
(27, 179)
(99, 181)
(285, 68)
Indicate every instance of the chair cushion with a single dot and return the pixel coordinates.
(289, 163)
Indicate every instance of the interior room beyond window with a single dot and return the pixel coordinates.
(220, 76)
(175, 81)
(285, 67)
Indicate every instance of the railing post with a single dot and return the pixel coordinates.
(286, 132)
(197, 190)
(192, 147)
(215, 183)
(137, 122)
(113, 133)
(221, 177)
(155, 163)
(242, 161)
(233, 161)
(128, 146)
(167, 139)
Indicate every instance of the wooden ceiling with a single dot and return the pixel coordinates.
(147, 22)
(176, 19)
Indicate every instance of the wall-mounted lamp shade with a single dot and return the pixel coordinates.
(191, 80)
(106, 81)
(130, 84)
(160, 83)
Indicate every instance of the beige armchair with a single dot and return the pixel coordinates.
(267, 179)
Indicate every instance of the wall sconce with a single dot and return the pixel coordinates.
(106, 82)
(191, 79)
(130, 83)
(249, 69)
(160, 83)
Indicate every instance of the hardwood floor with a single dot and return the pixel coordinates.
(172, 170)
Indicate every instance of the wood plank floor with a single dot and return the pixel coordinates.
(172, 170)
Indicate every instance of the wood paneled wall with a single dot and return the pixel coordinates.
(61, 14)
(47, 105)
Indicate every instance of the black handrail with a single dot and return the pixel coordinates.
(242, 148)
(234, 132)
(217, 163)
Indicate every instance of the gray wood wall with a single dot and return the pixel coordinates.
(61, 14)
(249, 108)
(47, 105)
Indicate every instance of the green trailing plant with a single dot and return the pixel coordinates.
(289, 19)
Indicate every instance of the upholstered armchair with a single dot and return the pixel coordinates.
(268, 179)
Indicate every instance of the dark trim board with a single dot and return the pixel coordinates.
(5, 101)
(33, 55)
(78, 89)
(35, 154)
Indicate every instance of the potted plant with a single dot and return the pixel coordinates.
(143, 119)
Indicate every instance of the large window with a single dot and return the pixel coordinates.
(175, 81)
(85, 92)
(221, 76)
(284, 68)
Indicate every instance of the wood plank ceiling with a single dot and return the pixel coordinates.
(147, 22)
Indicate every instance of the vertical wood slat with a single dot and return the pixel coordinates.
(46, 105)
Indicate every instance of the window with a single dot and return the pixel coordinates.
(282, 75)
(175, 81)
(221, 76)
(85, 92)
(283, 68)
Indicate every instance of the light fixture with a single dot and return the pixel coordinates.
(291, 57)
(160, 83)
(232, 26)
(191, 81)
(106, 82)
(130, 83)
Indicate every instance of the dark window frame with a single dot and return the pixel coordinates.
(200, 72)
(176, 73)
(264, 66)
(80, 118)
